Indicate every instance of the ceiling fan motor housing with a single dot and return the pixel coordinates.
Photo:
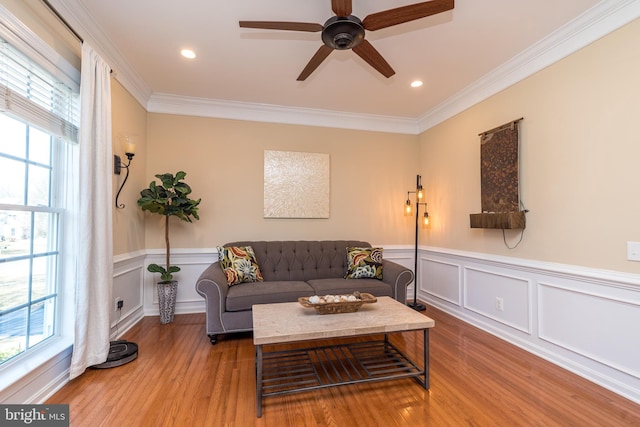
(343, 33)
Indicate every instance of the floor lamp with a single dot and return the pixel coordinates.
(407, 209)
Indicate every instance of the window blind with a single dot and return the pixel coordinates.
(28, 92)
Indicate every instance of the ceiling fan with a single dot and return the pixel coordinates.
(345, 31)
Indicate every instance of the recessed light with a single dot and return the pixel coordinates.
(416, 83)
(188, 53)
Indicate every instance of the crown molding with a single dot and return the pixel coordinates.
(602, 19)
(203, 107)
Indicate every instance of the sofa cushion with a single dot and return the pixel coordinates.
(239, 264)
(339, 286)
(364, 263)
(243, 296)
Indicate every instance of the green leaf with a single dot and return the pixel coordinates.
(155, 268)
(167, 180)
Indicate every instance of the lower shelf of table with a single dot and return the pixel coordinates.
(299, 370)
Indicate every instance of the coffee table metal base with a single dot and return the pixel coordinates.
(304, 369)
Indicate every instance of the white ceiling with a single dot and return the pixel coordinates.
(476, 44)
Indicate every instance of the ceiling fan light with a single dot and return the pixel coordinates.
(343, 33)
(343, 41)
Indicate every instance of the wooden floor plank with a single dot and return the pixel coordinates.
(180, 379)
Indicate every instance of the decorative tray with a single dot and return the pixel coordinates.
(327, 307)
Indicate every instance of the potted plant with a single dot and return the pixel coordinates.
(170, 198)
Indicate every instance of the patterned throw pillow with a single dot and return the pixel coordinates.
(364, 263)
(239, 264)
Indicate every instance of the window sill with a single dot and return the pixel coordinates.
(25, 369)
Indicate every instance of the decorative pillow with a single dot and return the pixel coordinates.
(364, 263)
(239, 264)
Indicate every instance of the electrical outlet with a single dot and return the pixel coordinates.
(119, 304)
(499, 304)
(633, 251)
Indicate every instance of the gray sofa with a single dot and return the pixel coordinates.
(291, 269)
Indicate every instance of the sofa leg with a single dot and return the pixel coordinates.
(213, 338)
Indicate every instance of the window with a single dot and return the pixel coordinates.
(38, 124)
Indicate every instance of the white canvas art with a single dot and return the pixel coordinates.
(296, 185)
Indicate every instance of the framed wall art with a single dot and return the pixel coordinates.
(296, 184)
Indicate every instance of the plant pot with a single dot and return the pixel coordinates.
(167, 293)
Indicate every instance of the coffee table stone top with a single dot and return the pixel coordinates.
(290, 321)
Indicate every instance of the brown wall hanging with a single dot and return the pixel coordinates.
(500, 197)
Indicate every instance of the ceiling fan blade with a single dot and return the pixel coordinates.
(366, 51)
(277, 25)
(399, 15)
(315, 61)
(341, 7)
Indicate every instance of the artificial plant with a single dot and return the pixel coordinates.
(170, 198)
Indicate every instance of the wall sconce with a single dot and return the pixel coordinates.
(425, 220)
(130, 150)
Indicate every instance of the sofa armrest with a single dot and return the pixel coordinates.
(212, 285)
(399, 277)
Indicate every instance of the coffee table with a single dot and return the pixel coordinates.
(308, 367)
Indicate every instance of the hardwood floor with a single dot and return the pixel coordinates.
(180, 379)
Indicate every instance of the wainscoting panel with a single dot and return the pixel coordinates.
(192, 263)
(441, 280)
(483, 289)
(398, 255)
(602, 328)
(128, 276)
(584, 320)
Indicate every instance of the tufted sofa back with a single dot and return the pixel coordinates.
(301, 260)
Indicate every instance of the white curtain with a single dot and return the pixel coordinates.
(95, 248)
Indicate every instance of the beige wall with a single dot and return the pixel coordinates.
(580, 150)
(128, 118)
(223, 159)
